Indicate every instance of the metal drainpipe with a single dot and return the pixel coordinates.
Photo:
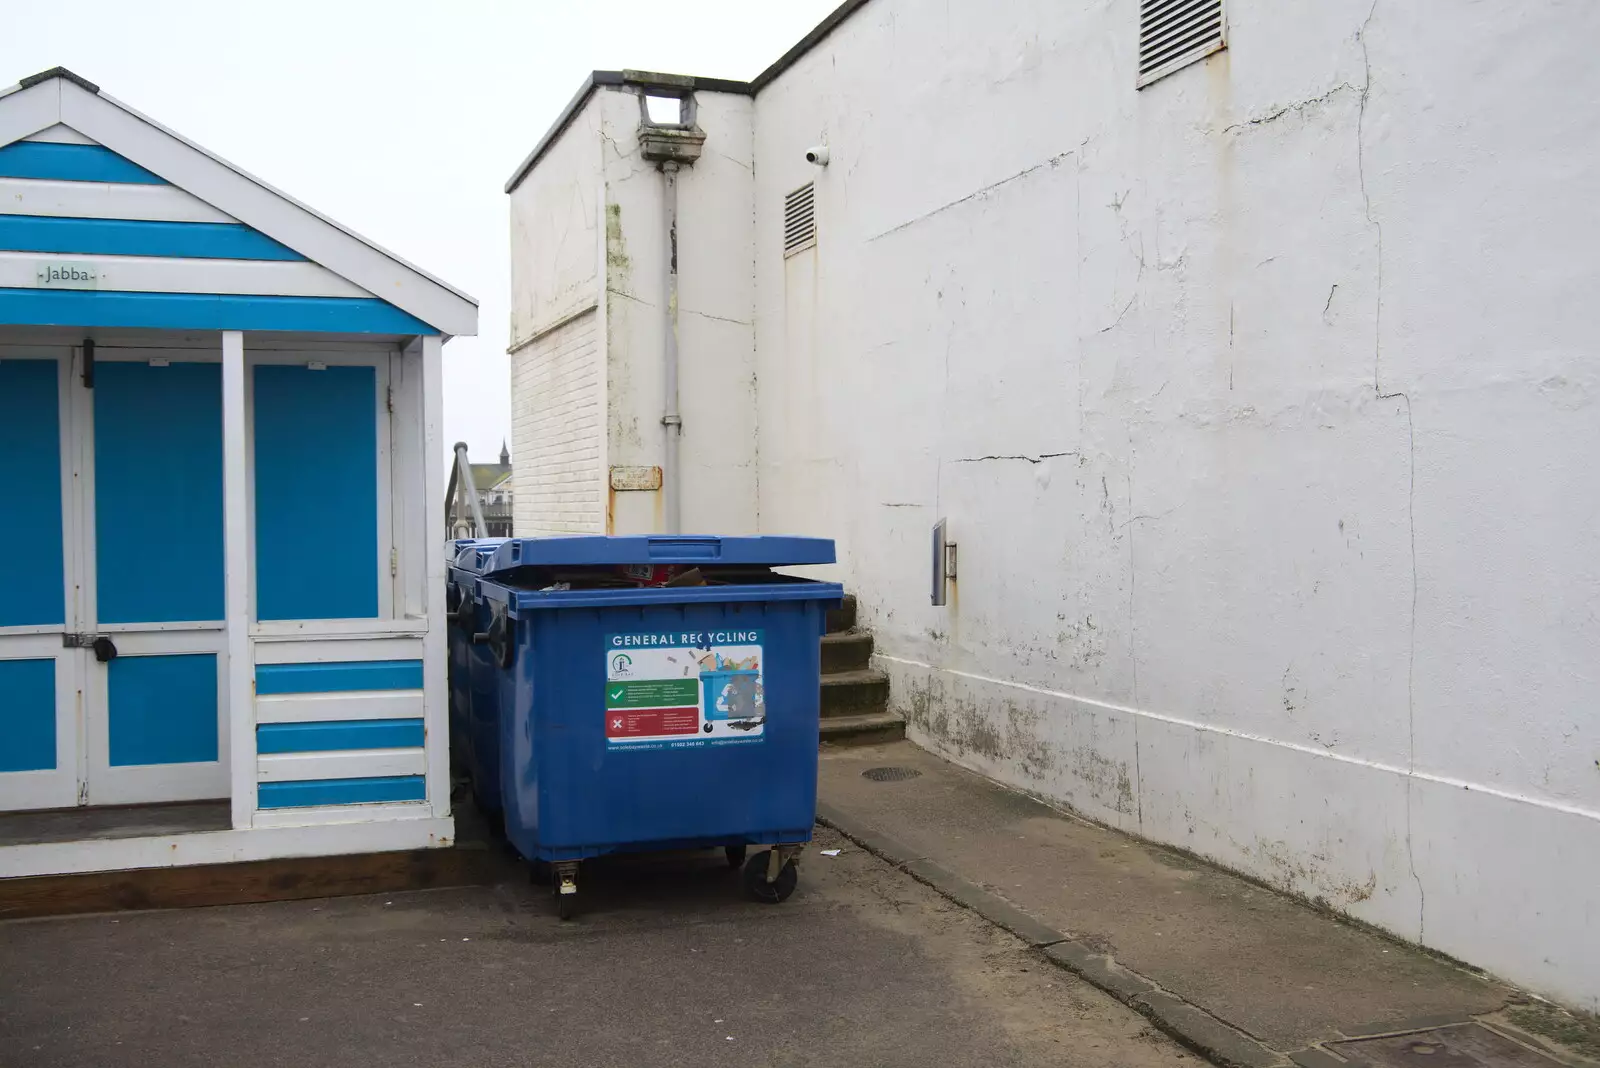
(671, 419)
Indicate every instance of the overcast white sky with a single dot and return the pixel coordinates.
(402, 119)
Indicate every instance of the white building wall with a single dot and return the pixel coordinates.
(1262, 406)
(589, 220)
(557, 402)
(557, 386)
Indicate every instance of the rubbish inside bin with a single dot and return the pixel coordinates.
(670, 577)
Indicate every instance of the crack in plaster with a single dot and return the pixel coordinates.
(1043, 456)
(718, 318)
(1053, 161)
(1298, 106)
(1411, 441)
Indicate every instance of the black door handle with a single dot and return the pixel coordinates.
(105, 650)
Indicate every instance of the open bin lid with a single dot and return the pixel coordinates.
(604, 551)
(475, 554)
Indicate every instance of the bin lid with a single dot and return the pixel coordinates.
(607, 551)
(475, 553)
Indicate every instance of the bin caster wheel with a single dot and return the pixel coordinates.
(736, 855)
(760, 888)
(565, 885)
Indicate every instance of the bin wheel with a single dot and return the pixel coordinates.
(564, 885)
(736, 855)
(769, 893)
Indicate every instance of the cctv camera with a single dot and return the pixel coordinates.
(818, 155)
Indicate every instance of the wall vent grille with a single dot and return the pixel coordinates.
(1175, 33)
(800, 219)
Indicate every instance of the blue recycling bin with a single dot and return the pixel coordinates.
(473, 725)
(458, 632)
(650, 718)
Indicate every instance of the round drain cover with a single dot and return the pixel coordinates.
(890, 774)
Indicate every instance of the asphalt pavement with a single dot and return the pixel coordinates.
(667, 964)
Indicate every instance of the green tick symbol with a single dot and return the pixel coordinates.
(616, 695)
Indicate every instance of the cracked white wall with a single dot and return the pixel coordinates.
(1262, 406)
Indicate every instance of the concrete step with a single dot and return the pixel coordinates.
(843, 618)
(851, 693)
(846, 652)
(871, 729)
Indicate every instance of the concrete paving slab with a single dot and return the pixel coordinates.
(1270, 966)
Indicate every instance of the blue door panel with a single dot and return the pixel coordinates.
(27, 715)
(31, 578)
(162, 709)
(158, 492)
(316, 486)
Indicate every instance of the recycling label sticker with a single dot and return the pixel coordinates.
(678, 689)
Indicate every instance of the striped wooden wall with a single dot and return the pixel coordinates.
(339, 732)
(159, 256)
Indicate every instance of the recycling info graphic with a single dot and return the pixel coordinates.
(677, 690)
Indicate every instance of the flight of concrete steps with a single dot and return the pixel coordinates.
(855, 695)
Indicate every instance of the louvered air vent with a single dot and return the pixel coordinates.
(799, 219)
(1175, 33)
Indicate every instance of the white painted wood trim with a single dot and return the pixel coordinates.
(410, 498)
(280, 630)
(24, 112)
(157, 628)
(336, 649)
(257, 204)
(123, 354)
(236, 526)
(159, 274)
(28, 632)
(278, 352)
(104, 200)
(434, 657)
(61, 135)
(109, 339)
(368, 835)
(385, 550)
(77, 457)
(172, 643)
(344, 764)
(336, 707)
(159, 783)
(364, 815)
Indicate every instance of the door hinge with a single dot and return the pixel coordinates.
(394, 562)
(391, 400)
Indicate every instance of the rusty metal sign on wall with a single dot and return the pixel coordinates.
(635, 478)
